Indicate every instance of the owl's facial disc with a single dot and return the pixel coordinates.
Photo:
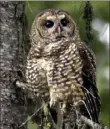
(56, 27)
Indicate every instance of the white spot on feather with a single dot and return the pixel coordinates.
(61, 16)
(42, 63)
(50, 17)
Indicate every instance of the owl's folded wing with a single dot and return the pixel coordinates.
(92, 99)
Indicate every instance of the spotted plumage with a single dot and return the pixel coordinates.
(60, 67)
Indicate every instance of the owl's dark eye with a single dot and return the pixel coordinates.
(49, 24)
(64, 22)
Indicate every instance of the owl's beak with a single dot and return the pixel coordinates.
(58, 29)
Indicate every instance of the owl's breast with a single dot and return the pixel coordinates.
(65, 78)
(44, 66)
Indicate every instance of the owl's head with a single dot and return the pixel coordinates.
(52, 26)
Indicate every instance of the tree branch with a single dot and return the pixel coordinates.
(91, 123)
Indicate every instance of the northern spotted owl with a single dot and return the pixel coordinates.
(60, 67)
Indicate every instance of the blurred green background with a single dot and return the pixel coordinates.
(99, 44)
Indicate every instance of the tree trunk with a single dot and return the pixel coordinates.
(12, 33)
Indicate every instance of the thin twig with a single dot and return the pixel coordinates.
(29, 7)
(30, 117)
(91, 123)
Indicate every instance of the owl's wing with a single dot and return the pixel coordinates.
(92, 99)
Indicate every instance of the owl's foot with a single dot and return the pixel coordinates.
(63, 107)
(52, 103)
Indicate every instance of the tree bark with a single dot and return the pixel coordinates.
(12, 34)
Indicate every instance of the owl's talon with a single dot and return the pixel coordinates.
(52, 103)
(63, 108)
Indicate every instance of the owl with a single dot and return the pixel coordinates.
(61, 69)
